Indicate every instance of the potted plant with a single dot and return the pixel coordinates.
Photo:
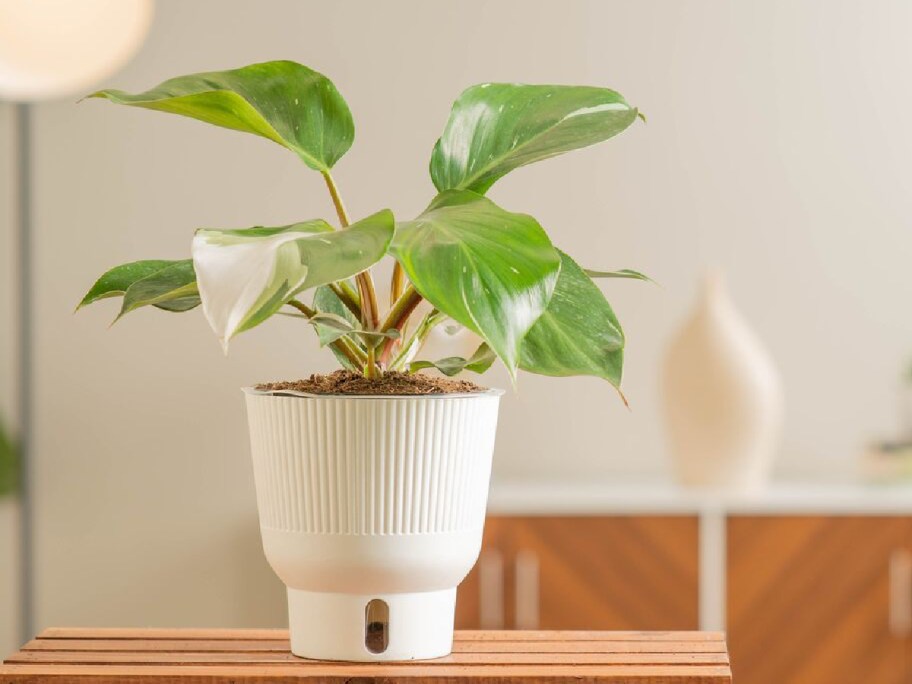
(372, 481)
(9, 463)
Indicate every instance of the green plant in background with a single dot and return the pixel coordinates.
(9, 463)
(491, 270)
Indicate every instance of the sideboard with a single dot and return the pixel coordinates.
(812, 584)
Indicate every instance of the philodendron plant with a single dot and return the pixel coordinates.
(491, 270)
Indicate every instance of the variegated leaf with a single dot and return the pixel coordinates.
(497, 127)
(281, 101)
(245, 276)
(116, 282)
(578, 334)
(172, 288)
(490, 270)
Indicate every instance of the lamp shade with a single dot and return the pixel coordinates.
(58, 48)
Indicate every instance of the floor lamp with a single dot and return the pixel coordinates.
(49, 49)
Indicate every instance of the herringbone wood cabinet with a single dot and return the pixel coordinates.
(625, 572)
(820, 600)
(810, 599)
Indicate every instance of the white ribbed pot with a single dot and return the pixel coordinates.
(371, 510)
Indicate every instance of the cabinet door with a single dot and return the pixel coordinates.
(819, 600)
(631, 572)
(480, 597)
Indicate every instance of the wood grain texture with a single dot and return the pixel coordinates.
(619, 572)
(194, 656)
(808, 600)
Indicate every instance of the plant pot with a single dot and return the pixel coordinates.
(371, 510)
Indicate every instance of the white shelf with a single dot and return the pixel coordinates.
(548, 498)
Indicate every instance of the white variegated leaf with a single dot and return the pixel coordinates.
(245, 276)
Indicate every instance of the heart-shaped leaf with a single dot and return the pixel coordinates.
(578, 334)
(247, 275)
(172, 288)
(497, 127)
(282, 101)
(490, 270)
(623, 273)
(479, 362)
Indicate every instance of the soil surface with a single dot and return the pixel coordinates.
(392, 383)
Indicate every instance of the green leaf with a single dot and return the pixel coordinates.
(490, 270)
(9, 462)
(282, 101)
(116, 281)
(497, 127)
(245, 276)
(578, 334)
(480, 361)
(172, 288)
(325, 300)
(331, 327)
(623, 273)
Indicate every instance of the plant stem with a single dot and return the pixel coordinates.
(396, 318)
(370, 317)
(416, 341)
(347, 296)
(343, 346)
(336, 199)
(355, 351)
(371, 370)
(402, 309)
(397, 283)
(302, 307)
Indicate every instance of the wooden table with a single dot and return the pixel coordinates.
(247, 656)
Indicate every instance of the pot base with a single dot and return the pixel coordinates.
(368, 628)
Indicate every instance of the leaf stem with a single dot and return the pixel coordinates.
(302, 307)
(397, 283)
(402, 309)
(411, 346)
(397, 317)
(370, 317)
(348, 297)
(355, 351)
(336, 199)
(343, 346)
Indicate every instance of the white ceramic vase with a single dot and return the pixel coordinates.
(723, 397)
(371, 510)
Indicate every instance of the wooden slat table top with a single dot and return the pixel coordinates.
(262, 656)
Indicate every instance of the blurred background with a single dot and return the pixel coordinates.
(775, 154)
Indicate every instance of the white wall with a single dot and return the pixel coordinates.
(776, 150)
